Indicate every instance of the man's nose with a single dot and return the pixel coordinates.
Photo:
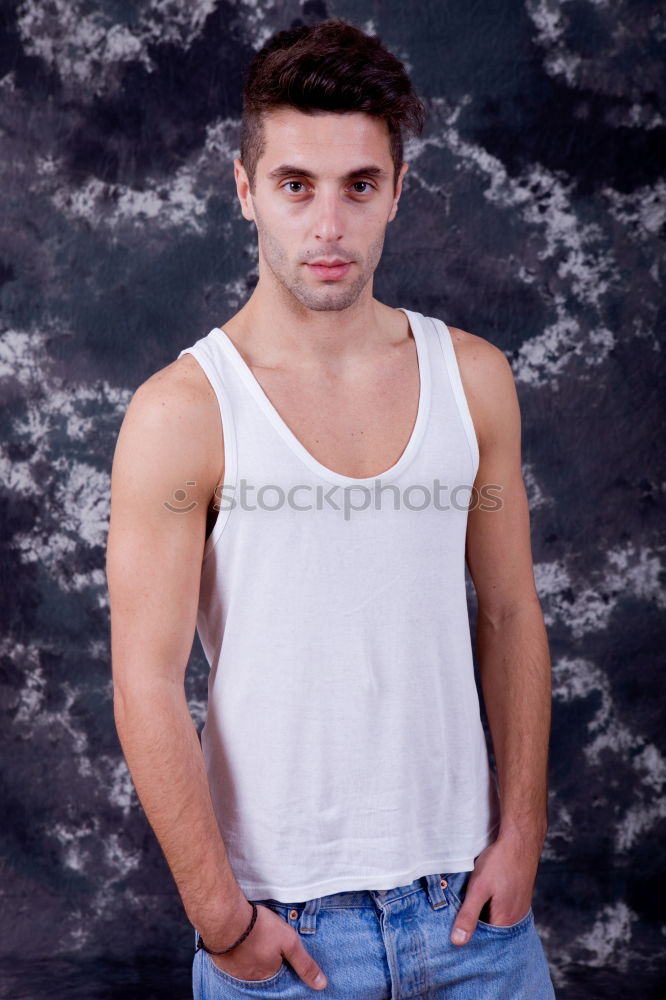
(328, 216)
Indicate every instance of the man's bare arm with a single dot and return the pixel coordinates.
(171, 441)
(512, 645)
(153, 570)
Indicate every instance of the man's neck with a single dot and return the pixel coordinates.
(274, 336)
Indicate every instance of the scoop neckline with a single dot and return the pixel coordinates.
(254, 386)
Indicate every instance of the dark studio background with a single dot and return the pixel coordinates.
(532, 215)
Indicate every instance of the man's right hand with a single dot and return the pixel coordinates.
(260, 955)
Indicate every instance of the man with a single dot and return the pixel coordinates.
(298, 485)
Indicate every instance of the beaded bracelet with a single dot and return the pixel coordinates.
(202, 946)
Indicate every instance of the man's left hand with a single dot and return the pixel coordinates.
(503, 876)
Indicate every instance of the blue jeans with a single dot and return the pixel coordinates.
(394, 944)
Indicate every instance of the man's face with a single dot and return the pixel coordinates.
(323, 190)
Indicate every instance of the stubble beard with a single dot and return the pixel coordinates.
(294, 280)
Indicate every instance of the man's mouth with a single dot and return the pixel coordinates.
(330, 271)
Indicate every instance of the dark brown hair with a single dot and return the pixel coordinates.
(329, 66)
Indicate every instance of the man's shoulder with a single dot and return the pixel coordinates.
(487, 378)
(179, 386)
(478, 358)
(174, 414)
(175, 407)
(474, 346)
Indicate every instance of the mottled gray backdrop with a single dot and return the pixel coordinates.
(532, 215)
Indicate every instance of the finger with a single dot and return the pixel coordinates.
(304, 965)
(468, 916)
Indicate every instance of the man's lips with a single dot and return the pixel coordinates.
(330, 271)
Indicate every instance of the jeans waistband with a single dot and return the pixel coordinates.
(305, 913)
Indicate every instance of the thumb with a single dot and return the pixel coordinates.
(304, 965)
(468, 916)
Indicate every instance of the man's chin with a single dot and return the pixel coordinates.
(327, 299)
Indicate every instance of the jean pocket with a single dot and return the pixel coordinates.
(456, 890)
(519, 925)
(226, 977)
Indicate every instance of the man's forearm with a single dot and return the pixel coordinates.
(164, 756)
(515, 675)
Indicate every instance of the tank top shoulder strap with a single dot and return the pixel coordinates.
(208, 353)
(453, 370)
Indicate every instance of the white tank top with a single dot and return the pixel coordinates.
(343, 740)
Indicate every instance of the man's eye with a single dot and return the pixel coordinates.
(299, 184)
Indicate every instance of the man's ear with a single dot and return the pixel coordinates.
(243, 190)
(398, 191)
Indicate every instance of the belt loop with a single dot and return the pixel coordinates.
(434, 886)
(308, 921)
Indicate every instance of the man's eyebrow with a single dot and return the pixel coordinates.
(287, 170)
